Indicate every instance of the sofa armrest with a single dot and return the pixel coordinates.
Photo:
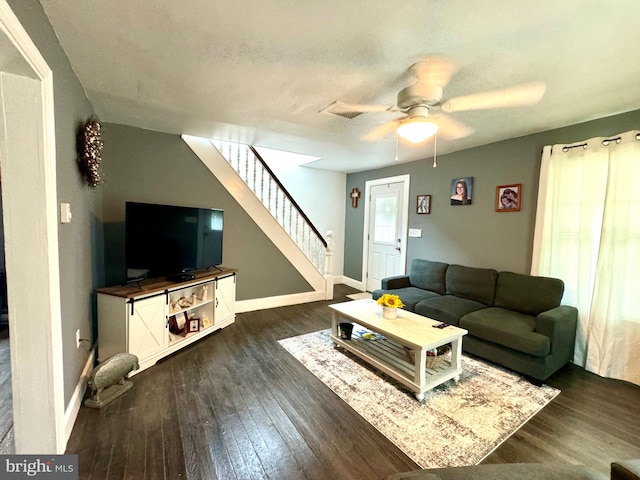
(399, 281)
(560, 325)
(625, 470)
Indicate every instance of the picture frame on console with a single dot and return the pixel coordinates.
(423, 204)
(508, 198)
(192, 325)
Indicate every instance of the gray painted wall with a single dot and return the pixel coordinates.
(80, 242)
(474, 235)
(149, 166)
(153, 167)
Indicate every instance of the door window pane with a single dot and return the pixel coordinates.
(385, 220)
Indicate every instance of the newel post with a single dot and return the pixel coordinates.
(328, 265)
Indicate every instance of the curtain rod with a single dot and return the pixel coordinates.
(605, 142)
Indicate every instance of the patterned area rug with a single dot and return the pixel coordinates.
(359, 296)
(458, 423)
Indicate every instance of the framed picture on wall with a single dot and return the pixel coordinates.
(508, 198)
(461, 191)
(423, 204)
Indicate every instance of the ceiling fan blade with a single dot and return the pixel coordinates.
(381, 131)
(522, 95)
(354, 109)
(433, 71)
(452, 129)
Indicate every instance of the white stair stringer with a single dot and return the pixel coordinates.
(224, 172)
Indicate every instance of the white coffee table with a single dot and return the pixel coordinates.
(409, 331)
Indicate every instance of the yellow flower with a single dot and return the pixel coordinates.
(388, 300)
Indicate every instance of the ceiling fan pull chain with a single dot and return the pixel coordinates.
(435, 150)
(396, 144)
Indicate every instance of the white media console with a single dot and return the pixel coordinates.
(144, 319)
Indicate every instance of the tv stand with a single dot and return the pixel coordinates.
(142, 320)
(181, 277)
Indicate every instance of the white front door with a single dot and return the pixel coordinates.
(386, 233)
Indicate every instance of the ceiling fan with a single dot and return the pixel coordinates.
(425, 109)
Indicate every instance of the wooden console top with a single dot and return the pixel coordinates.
(154, 285)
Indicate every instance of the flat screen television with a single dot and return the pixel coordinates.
(169, 240)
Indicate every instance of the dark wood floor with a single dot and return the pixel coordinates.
(237, 406)
(6, 406)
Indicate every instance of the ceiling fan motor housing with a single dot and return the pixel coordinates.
(419, 94)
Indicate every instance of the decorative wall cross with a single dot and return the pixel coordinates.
(355, 195)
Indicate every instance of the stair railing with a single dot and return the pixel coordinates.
(257, 175)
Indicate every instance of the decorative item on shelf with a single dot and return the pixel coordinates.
(390, 305)
(89, 145)
(193, 325)
(345, 330)
(185, 302)
(174, 305)
(176, 325)
(205, 322)
(434, 358)
(202, 294)
(370, 336)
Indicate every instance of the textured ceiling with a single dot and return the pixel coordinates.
(259, 72)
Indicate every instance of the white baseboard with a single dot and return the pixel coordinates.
(350, 282)
(73, 408)
(254, 304)
(279, 301)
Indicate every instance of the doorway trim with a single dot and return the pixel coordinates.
(405, 179)
(36, 370)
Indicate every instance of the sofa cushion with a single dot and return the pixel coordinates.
(507, 328)
(472, 283)
(409, 296)
(447, 308)
(428, 275)
(526, 293)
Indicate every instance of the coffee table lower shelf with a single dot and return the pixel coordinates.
(391, 358)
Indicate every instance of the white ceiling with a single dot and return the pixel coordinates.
(258, 72)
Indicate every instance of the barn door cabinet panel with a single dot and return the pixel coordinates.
(225, 300)
(155, 318)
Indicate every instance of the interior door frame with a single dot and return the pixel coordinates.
(404, 222)
(32, 261)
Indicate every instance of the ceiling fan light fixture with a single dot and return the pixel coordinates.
(417, 130)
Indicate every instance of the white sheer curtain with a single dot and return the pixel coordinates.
(588, 234)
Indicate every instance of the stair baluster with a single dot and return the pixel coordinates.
(246, 163)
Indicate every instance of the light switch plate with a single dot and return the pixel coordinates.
(65, 213)
(415, 232)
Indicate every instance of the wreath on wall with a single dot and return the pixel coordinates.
(90, 152)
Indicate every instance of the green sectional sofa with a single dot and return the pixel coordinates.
(513, 320)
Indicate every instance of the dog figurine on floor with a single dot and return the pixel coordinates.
(107, 380)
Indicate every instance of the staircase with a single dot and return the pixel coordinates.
(253, 185)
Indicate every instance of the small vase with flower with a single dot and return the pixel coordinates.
(390, 305)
